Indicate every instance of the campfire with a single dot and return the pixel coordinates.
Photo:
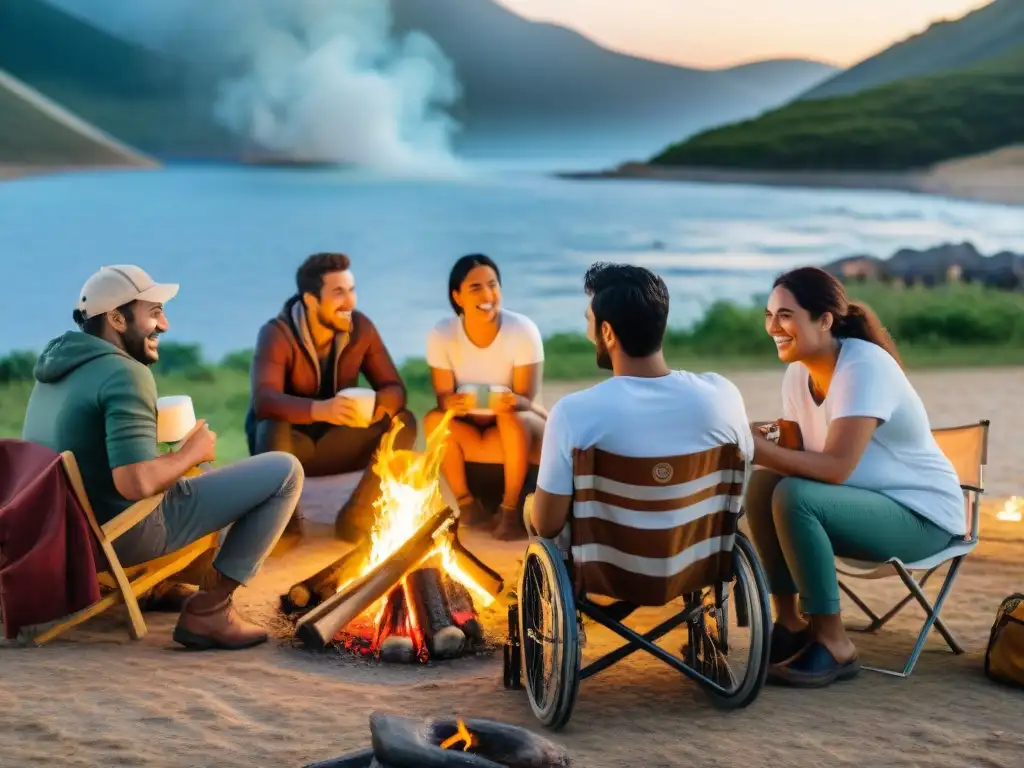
(408, 593)
(1012, 511)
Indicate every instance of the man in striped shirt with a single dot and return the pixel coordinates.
(645, 410)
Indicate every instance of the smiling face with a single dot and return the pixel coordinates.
(337, 301)
(479, 296)
(796, 334)
(140, 330)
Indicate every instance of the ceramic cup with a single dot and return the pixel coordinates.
(364, 398)
(175, 418)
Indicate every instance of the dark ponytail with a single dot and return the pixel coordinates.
(819, 292)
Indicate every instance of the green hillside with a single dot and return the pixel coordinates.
(910, 124)
(946, 45)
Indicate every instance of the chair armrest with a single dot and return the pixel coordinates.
(131, 517)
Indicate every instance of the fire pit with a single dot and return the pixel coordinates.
(409, 592)
(399, 742)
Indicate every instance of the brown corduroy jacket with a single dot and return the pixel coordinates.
(286, 373)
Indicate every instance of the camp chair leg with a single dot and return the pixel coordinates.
(876, 621)
(933, 616)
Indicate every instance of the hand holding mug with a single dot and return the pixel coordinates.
(340, 411)
(459, 404)
(504, 402)
(201, 444)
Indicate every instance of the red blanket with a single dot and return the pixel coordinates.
(47, 565)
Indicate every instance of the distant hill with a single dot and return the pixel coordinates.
(910, 124)
(528, 87)
(153, 102)
(945, 45)
(526, 80)
(37, 132)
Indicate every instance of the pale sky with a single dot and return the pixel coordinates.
(716, 33)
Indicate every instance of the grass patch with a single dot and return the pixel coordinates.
(952, 326)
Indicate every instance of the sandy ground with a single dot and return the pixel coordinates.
(96, 698)
(994, 177)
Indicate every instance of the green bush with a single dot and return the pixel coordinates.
(17, 366)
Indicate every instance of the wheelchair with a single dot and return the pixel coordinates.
(728, 624)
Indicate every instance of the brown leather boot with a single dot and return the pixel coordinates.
(510, 525)
(218, 626)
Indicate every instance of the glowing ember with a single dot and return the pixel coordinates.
(1012, 511)
(462, 734)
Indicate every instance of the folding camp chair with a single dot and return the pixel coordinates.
(126, 584)
(644, 532)
(967, 449)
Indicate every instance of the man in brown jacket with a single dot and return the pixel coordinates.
(317, 346)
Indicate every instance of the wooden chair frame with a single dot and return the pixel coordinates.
(127, 583)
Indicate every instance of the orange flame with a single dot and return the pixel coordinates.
(410, 495)
(462, 734)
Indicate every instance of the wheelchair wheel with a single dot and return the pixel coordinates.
(549, 634)
(729, 640)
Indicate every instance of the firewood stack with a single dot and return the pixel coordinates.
(408, 608)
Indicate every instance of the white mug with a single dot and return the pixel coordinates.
(175, 418)
(481, 393)
(365, 400)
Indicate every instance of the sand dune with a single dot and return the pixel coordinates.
(96, 698)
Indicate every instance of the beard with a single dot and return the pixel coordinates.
(335, 322)
(603, 357)
(134, 342)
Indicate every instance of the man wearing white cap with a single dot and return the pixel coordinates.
(95, 396)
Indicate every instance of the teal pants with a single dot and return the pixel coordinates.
(799, 526)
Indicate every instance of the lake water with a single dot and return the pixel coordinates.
(233, 237)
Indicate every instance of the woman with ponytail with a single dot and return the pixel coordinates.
(868, 481)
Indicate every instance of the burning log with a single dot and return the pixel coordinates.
(428, 600)
(319, 626)
(327, 581)
(392, 637)
(460, 602)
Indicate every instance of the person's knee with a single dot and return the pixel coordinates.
(272, 436)
(757, 498)
(790, 502)
(288, 471)
(406, 437)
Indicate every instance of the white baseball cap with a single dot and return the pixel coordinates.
(111, 287)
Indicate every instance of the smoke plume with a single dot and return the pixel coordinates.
(321, 80)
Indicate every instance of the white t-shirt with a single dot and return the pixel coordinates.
(671, 415)
(518, 343)
(902, 459)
